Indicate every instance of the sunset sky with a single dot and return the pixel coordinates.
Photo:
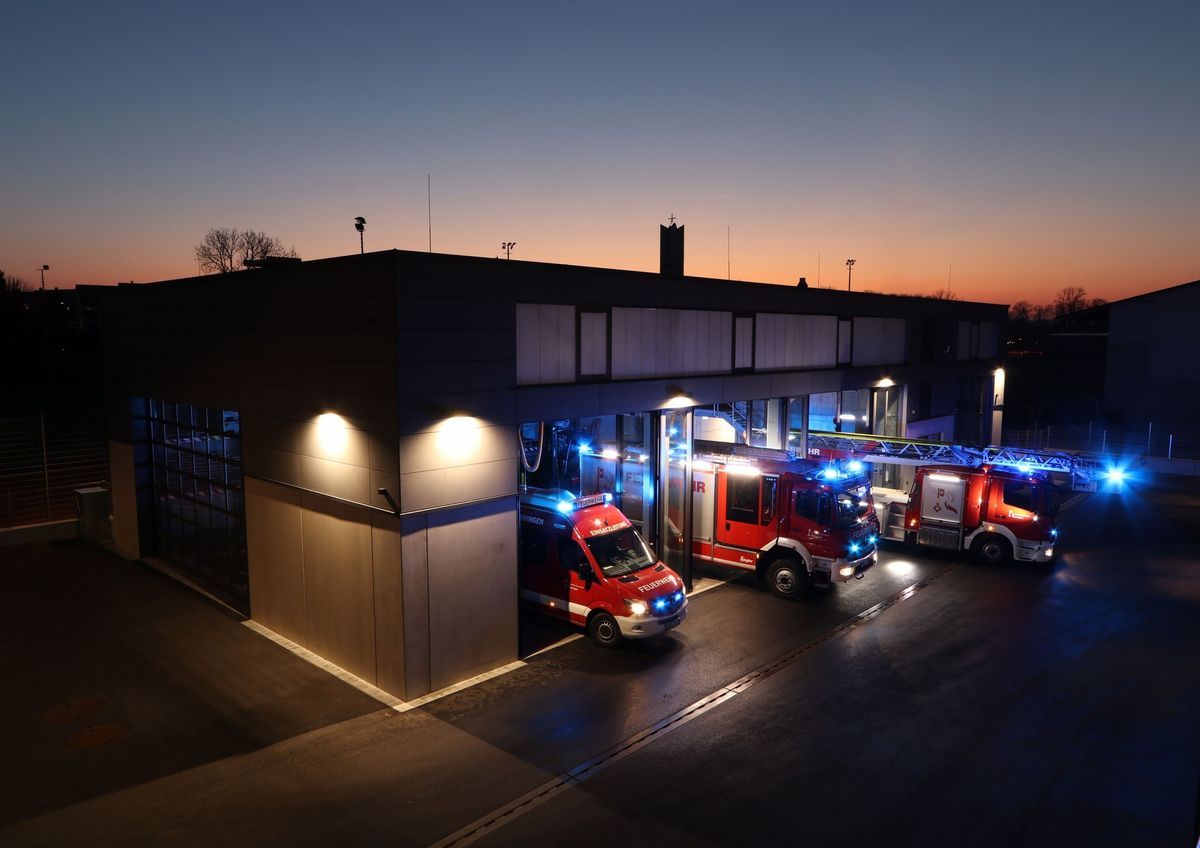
(1028, 146)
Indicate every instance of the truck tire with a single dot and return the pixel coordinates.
(992, 549)
(787, 578)
(603, 630)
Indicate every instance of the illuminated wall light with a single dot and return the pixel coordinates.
(885, 383)
(679, 401)
(333, 433)
(458, 437)
(846, 416)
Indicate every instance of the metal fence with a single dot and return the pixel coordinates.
(1095, 437)
(44, 458)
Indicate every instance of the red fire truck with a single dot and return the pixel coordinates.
(997, 514)
(794, 523)
(582, 561)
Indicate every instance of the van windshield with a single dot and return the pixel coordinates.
(620, 553)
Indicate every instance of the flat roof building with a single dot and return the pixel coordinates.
(335, 447)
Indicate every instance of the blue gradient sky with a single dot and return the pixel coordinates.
(1028, 146)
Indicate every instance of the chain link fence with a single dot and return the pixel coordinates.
(1094, 437)
(44, 458)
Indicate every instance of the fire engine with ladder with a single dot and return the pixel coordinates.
(793, 522)
(998, 503)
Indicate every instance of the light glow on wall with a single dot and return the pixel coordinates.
(333, 433)
(458, 437)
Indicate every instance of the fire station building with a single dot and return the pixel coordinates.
(335, 447)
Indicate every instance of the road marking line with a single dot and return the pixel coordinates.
(385, 698)
(539, 795)
(564, 641)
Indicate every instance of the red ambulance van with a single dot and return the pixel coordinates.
(582, 561)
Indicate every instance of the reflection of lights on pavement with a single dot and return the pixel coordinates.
(900, 568)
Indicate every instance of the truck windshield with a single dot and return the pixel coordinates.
(620, 553)
(852, 507)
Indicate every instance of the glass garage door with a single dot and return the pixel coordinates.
(200, 516)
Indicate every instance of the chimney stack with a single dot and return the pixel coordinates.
(803, 284)
(670, 250)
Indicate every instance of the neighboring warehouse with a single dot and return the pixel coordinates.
(1152, 380)
(335, 447)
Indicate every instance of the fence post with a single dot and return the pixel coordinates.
(45, 464)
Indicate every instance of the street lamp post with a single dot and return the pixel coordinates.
(849, 271)
(507, 247)
(360, 224)
(43, 271)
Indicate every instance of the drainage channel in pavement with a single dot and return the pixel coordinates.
(536, 797)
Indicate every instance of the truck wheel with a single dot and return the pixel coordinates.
(993, 549)
(787, 578)
(604, 630)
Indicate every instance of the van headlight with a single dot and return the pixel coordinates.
(637, 607)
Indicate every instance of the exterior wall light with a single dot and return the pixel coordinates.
(333, 434)
(458, 437)
(679, 401)
(885, 383)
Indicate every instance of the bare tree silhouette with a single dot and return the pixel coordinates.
(225, 249)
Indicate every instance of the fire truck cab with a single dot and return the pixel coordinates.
(582, 561)
(994, 513)
(794, 523)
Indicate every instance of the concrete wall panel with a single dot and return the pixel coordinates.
(446, 486)
(414, 561)
(339, 479)
(448, 448)
(386, 547)
(123, 491)
(472, 631)
(276, 558)
(338, 585)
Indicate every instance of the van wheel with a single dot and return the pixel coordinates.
(787, 578)
(604, 630)
(992, 549)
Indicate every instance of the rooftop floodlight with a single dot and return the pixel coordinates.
(360, 224)
(507, 247)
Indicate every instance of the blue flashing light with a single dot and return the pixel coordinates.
(660, 604)
(678, 596)
(1115, 475)
(831, 474)
(872, 539)
(854, 547)
(608, 497)
(1053, 532)
(674, 431)
(854, 466)
(565, 506)
(584, 447)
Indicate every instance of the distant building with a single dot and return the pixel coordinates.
(1152, 378)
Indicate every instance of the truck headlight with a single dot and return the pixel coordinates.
(846, 571)
(637, 607)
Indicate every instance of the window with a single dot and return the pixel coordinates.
(769, 484)
(1020, 495)
(741, 498)
(806, 505)
(199, 505)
